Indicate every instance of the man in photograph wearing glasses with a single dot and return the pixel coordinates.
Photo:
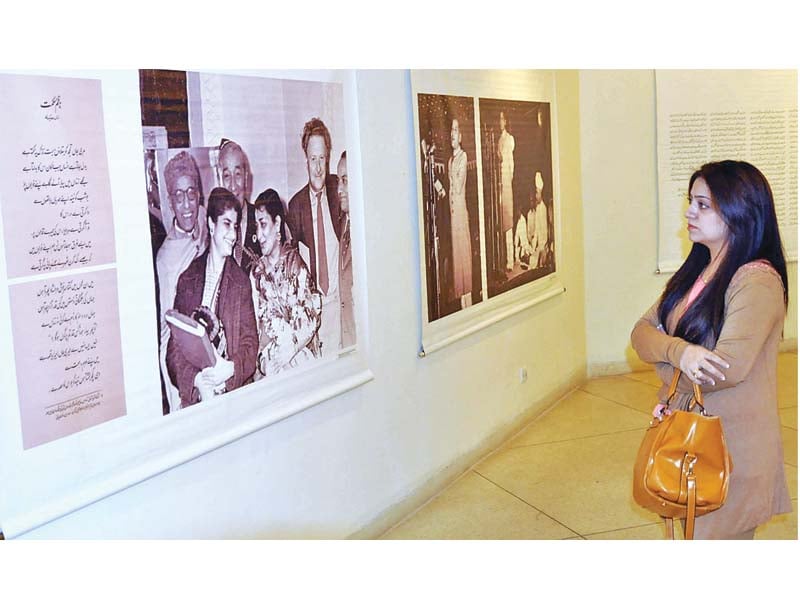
(187, 238)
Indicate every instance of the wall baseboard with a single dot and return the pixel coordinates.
(419, 497)
(606, 369)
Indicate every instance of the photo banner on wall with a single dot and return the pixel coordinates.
(183, 255)
(487, 185)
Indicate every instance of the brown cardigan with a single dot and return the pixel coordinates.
(746, 401)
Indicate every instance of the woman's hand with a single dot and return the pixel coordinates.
(702, 366)
(206, 389)
(211, 380)
(220, 372)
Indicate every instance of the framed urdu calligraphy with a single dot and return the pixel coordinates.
(184, 260)
(488, 210)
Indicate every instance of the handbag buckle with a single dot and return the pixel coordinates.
(691, 459)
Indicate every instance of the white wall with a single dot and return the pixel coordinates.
(620, 179)
(349, 465)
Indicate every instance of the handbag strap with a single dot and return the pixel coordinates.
(691, 503)
(696, 399)
(670, 525)
(691, 507)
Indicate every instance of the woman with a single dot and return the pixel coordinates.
(288, 307)
(719, 321)
(459, 219)
(505, 151)
(213, 285)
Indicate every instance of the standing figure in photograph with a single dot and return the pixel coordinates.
(345, 258)
(459, 219)
(719, 321)
(505, 151)
(235, 176)
(186, 239)
(286, 302)
(217, 288)
(314, 221)
(538, 225)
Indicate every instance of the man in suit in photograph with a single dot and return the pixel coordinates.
(315, 222)
(345, 257)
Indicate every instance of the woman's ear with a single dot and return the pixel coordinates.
(210, 226)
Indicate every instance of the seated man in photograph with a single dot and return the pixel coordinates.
(186, 239)
(522, 247)
(537, 225)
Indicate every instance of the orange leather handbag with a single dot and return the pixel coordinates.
(683, 466)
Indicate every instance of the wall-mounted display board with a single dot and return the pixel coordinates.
(705, 116)
(488, 209)
(184, 259)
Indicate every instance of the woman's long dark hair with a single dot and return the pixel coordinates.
(742, 197)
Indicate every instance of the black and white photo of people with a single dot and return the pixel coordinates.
(247, 193)
(450, 203)
(517, 192)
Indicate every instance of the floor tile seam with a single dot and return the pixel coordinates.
(575, 439)
(510, 493)
(619, 403)
(503, 446)
(425, 504)
(544, 413)
(652, 385)
(626, 528)
(484, 458)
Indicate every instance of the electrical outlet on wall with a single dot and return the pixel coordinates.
(523, 375)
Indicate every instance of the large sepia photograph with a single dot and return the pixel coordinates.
(448, 157)
(487, 198)
(517, 171)
(247, 192)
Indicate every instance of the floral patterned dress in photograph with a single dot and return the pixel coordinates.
(288, 313)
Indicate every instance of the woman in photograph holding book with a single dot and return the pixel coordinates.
(215, 286)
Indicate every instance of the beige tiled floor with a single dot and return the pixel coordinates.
(567, 474)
